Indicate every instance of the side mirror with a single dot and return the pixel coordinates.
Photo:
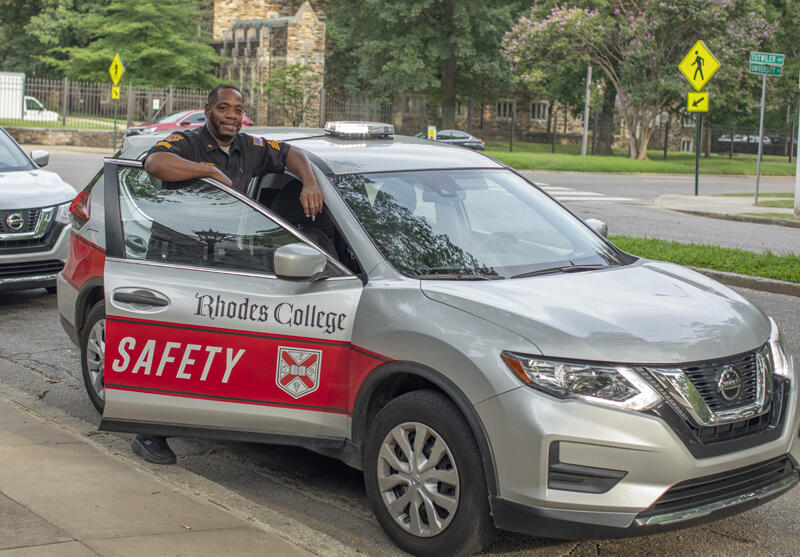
(298, 261)
(598, 226)
(40, 157)
(184, 123)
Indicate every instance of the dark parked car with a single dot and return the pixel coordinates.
(457, 137)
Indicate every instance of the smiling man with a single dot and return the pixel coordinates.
(219, 150)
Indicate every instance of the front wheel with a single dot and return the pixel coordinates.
(424, 477)
(93, 351)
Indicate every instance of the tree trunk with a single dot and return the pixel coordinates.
(605, 133)
(449, 93)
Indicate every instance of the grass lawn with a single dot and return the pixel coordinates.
(772, 215)
(777, 200)
(74, 122)
(676, 163)
(766, 264)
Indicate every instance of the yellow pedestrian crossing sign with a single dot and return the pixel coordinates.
(116, 69)
(697, 102)
(698, 65)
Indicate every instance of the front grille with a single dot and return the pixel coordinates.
(29, 216)
(42, 243)
(30, 269)
(718, 487)
(705, 378)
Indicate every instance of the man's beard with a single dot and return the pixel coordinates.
(214, 126)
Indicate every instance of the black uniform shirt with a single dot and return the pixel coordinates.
(249, 155)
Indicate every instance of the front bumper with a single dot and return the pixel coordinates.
(34, 263)
(619, 473)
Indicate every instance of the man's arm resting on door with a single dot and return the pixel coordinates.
(172, 168)
(311, 194)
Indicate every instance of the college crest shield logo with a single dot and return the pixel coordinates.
(298, 370)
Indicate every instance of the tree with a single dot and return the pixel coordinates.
(158, 42)
(291, 89)
(18, 49)
(638, 44)
(434, 47)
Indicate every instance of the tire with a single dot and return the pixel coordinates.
(93, 345)
(453, 486)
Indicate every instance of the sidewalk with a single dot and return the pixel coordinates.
(61, 495)
(729, 208)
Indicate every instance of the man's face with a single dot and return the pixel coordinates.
(224, 115)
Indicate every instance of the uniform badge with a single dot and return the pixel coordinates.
(258, 141)
(298, 370)
(174, 137)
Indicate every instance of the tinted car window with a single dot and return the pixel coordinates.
(11, 156)
(197, 225)
(487, 223)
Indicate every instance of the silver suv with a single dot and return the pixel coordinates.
(34, 219)
(485, 357)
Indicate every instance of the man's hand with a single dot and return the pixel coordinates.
(311, 194)
(311, 197)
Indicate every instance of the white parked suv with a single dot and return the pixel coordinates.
(34, 219)
(484, 356)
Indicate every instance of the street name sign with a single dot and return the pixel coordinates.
(767, 58)
(765, 69)
(697, 102)
(116, 69)
(699, 65)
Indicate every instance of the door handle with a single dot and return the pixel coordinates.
(142, 299)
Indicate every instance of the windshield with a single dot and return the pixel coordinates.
(471, 224)
(174, 117)
(11, 156)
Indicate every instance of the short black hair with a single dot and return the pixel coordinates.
(212, 96)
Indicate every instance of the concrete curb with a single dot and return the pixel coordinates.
(185, 481)
(754, 283)
(739, 218)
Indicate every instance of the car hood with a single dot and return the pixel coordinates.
(647, 312)
(25, 189)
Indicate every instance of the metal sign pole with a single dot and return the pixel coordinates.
(586, 101)
(797, 169)
(116, 104)
(760, 134)
(697, 123)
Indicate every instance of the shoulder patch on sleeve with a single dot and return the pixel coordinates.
(274, 145)
(164, 144)
(174, 137)
(258, 141)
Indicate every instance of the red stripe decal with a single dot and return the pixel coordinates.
(240, 367)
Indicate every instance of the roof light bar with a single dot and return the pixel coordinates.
(359, 130)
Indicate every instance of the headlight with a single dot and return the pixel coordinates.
(148, 130)
(615, 386)
(62, 213)
(781, 361)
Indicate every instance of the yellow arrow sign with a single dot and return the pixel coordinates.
(116, 69)
(697, 102)
(698, 65)
(115, 92)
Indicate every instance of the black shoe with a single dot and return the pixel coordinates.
(153, 448)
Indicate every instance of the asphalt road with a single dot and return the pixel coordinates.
(38, 360)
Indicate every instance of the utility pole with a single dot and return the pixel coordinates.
(586, 101)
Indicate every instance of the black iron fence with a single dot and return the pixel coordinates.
(34, 102)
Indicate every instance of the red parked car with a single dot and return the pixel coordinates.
(185, 119)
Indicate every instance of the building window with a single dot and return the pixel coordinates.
(687, 121)
(539, 110)
(686, 146)
(505, 109)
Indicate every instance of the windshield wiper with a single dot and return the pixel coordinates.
(562, 269)
(434, 274)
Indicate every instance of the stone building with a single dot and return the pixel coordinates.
(257, 36)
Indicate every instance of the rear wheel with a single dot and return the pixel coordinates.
(93, 349)
(424, 477)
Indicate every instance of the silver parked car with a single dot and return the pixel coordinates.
(34, 219)
(485, 357)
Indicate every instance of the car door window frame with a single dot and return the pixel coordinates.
(115, 236)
